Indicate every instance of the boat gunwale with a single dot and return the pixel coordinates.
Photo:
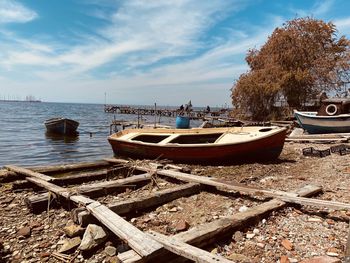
(312, 116)
(59, 119)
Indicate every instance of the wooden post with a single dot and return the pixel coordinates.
(155, 115)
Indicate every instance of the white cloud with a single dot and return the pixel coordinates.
(322, 7)
(140, 36)
(158, 30)
(14, 12)
(343, 25)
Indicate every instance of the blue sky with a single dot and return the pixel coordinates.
(140, 51)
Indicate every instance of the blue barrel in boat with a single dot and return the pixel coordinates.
(182, 122)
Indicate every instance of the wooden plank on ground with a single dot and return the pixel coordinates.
(316, 202)
(145, 246)
(66, 180)
(69, 167)
(185, 250)
(142, 203)
(141, 243)
(7, 176)
(81, 177)
(28, 172)
(226, 186)
(205, 234)
(116, 160)
(37, 203)
(285, 196)
(320, 140)
(212, 182)
(91, 189)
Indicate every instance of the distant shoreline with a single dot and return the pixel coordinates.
(20, 100)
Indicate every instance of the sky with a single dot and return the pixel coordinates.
(140, 51)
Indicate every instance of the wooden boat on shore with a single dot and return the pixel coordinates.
(61, 126)
(200, 145)
(332, 117)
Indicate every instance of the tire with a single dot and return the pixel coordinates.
(331, 109)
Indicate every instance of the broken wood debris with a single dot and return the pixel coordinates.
(140, 242)
(206, 234)
(142, 203)
(150, 247)
(37, 203)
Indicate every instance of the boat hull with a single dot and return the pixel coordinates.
(263, 149)
(314, 124)
(61, 126)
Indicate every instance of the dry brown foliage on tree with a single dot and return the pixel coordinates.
(298, 61)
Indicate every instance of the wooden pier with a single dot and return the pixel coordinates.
(193, 114)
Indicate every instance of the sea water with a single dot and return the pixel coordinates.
(24, 141)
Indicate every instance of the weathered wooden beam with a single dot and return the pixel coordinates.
(8, 176)
(319, 140)
(70, 179)
(81, 177)
(209, 181)
(185, 250)
(145, 246)
(37, 203)
(315, 202)
(96, 189)
(70, 167)
(285, 196)
(221, 185)
(116, 160)
(28, 172)
(21, 184)
(142, 203)
(142, 244)
(206, 234)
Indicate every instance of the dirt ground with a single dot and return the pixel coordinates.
(292, 234)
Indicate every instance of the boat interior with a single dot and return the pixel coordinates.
(180, 139)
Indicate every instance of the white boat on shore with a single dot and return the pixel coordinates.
(332, 117)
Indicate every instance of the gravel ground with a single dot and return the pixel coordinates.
(295, 233)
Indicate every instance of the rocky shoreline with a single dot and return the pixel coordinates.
(293, 234)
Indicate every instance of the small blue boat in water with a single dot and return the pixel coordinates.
(332, 117)
(61, 126)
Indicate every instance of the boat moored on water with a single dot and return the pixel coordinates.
(201, 145)
(62, 126)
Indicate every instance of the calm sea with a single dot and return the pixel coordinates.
(23, 138)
